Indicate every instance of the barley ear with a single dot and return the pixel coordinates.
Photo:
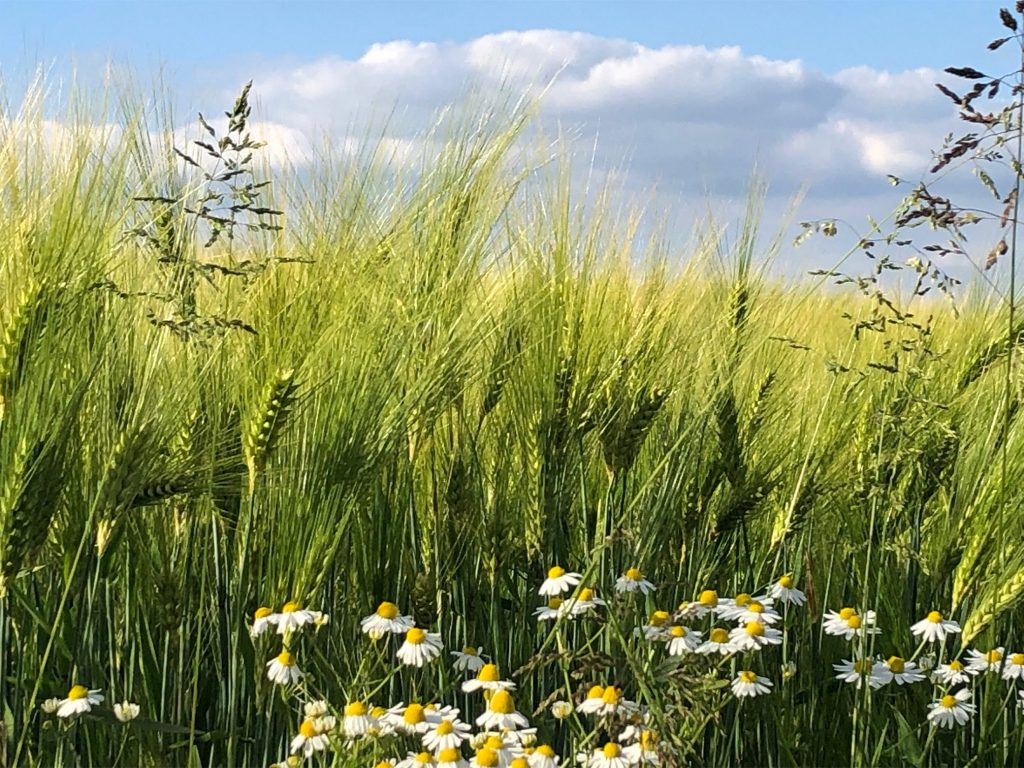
(268, 422)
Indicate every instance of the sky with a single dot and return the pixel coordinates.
(825, 96)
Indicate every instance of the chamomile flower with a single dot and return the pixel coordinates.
(450, 757)
(420, 647)
(50, 706)
(554, 609)
(468, 659)
(602, 701)
(416, 760)
(79, 701)
(756, 610)
(644, 750)
(485, 758)
(747, 683)
(543, 757)
(411, 719)
(926, 663)
(583, 602)
(858, 671)
(933, 628)
(313, 735)
(488, 679)
(754, 635)
(952, 673)
(558, 581)
(292, 618)
(979, 662)
(681, 640)
(785, 591)
(560, 710)
(357, 720)
(505, 745)
(952, 709)
(446, 733)
(900, 671)
(633, 581)
(718, 642)
(847, 623)
(609, 756)
(788, 670)
(282, 669)
(706, 602)
(126, 711)
(385, 619)
(261, 620)
(1014, 667)
(730, 610)
(501, 713)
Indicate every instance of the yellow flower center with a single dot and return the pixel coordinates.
(596, 692)
(659, 618)
(719, 635)
(262, 612)
(449, 755)
(519, 762)
(611, 750)
(444, 728)
(1018, 659)
(896, 665)
(424, 758)
(846, 613)
(586, 594)
(786, 582)
(993, 657)
(633, 574)
(285, 659)
(415, 636)
(307, 729)
(378, 712)
(494, 742)
(555, 603)
(78, 692)
(755, 628)
(355, 709)
(948, 701)
(755, 607)
(556, 572)
(678, 631)
(863, 666)
(469, 651)
(708, 598)
(545, 750)
(934, 617)
(854, 622)
(648, 740)
(290, 607)
(486, 758)
(501, 702)
(748, 677)
(387, 610)
(611, 695)
(488, 673)
(742, 599)
(956, 666)
(383, 764)
(414, 714)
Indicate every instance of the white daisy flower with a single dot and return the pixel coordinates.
(50, 706)
(313, 736)
(560, 710)
(1014, 667)
(755, 610)
(754, 635)
(859, 670)
(747, 683)
(357, 720)
(505, 745)
(126, 711)
(705, 603)
(609, 756)
(501, 713)
(681, 640)
(553, 610)
(468, 659)
(384, 620)
(316, 708)
(412, 719)
(900, 671)
(784, 591)
(543, 757)
(847, 623)
(558, 581)
(933, 628)
(656, 626)
(282, 670)
(718, 642)
(420, 647)
(416, 760)
(952, 709)
(585, 601)
(984, 662)
(292, 618)
(450, 757)
(446, 733)
(488, 679)
(261, 620)
(926, 663)
(485, 758)
(633, 581)
(602, 701)
(643, 750)
(789, 670)
(952, 673)
(730, 610)
(79, 701)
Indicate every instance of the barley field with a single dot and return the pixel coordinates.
(454, 464)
